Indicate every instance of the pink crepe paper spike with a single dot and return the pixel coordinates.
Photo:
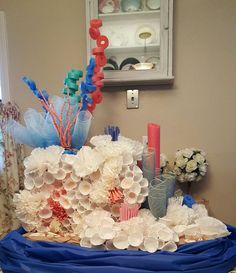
(128, 211)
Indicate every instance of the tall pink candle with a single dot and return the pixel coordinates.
(154, 142)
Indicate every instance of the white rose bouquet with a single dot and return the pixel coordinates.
(190, 165)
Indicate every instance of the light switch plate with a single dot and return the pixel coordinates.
(132, 99)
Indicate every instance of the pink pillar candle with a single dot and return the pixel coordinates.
(154, 142)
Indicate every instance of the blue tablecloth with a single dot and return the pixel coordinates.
(20, 255)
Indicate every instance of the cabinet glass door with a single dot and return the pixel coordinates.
(136, 31)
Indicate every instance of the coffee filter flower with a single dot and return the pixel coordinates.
(87, 161)
(27, 207)
(127, 158)
(212, 227)
(112, 167)
(135, 146)
(41, 160)
(101, 140)
(99, 193)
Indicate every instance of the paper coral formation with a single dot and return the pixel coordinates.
(96, 194)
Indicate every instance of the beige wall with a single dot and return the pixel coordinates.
(47, 38)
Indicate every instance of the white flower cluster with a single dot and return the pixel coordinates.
(61, 188)
(190, 165)
(193, 224)
(141, 232)
(146, 233)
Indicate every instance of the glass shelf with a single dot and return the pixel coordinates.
(131, 15)
(133, 49)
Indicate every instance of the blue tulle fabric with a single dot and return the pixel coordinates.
(40, 130)
(20, 255)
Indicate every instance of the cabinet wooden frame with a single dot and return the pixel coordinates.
(142, 77)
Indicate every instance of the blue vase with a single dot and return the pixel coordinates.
(157, 197)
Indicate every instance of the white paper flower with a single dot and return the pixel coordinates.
(112, 168)
(86, 161)
(27, 207)
(41, 160)
(136, 147)
(101, 140)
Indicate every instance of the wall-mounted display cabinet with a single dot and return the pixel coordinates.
(140, 40)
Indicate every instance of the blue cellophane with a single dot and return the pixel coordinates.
(20, 255)
(40, 130)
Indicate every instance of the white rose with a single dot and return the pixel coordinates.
(181, 162)
(203, 153)
(181, 178)
(177, 170)
(179, 153)
(191, 166)
(199, 178)
(199, 158)
(187, 152)
(203, 169)
(191, 176)
(163, 160)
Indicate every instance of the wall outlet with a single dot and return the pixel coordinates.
(132, 99)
